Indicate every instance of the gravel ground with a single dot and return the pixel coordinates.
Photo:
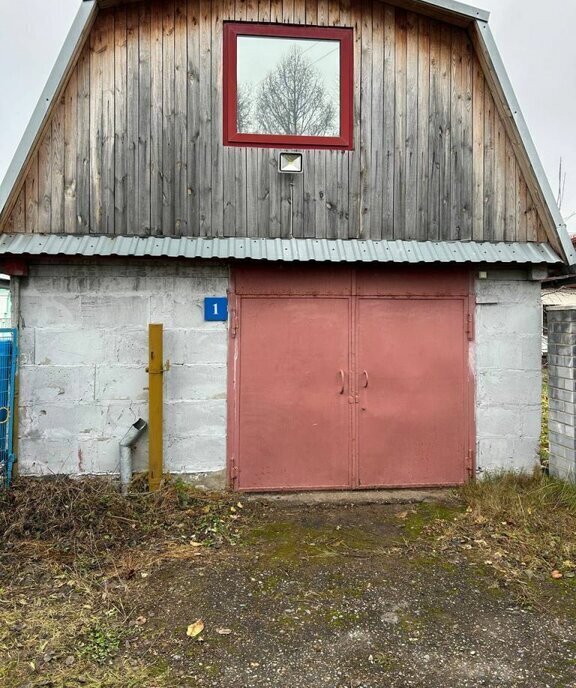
(345, 596)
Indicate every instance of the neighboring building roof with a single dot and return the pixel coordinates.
(322, 250)
(559, 297)
(487, 51)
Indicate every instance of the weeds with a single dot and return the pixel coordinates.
(68, 551)
(101, 644)
(522, 527)
(84, 516)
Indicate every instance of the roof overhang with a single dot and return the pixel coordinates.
(446, 10)
(443, 8)
(290, 250)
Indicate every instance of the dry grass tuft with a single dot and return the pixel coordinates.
(523, 527)
(90, 515)
(69, 552)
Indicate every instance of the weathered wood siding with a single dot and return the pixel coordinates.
(135, 143)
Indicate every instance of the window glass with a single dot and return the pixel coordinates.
(288, 86)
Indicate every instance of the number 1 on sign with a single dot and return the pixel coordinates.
(216, 308)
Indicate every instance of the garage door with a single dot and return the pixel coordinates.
(349, 379)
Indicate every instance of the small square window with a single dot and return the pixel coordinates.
(287, 86)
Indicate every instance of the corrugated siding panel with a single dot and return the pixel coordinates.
(321, 250)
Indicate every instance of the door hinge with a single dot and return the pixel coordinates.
(469, 327)
(234, 324)
(470, 463)
(234, 473)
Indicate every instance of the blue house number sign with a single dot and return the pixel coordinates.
(216, 308)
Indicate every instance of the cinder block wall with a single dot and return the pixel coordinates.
(508, 373)
(562, 391)
(84, 350)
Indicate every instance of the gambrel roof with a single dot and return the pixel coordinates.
(474, 19)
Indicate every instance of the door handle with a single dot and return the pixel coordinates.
(365, 374)
(341, 373)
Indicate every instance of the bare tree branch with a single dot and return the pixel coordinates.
(293, 100)
(561, 185)
(244, 108)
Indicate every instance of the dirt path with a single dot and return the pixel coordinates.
(344, 597)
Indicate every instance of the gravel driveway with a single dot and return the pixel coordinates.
(347, 596)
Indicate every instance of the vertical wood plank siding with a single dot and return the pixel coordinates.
(134, 144)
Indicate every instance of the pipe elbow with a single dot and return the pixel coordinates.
(133, 433)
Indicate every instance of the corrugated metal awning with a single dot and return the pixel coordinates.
(322, 250)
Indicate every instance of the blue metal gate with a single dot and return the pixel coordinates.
(8, 358)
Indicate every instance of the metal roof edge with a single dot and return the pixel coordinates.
(290, 250)
(486, 35)
(82, 20)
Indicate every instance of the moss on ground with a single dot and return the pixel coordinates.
(424, 514)
(286, 542)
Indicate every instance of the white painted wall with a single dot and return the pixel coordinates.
(508, 374)
(84, 344)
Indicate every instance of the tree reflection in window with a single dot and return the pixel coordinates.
(294, 87)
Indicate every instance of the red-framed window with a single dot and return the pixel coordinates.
(288, 86)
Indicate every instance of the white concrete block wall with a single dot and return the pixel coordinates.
(84, 344)
(508, 374)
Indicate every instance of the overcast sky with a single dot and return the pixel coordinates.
(536, 39)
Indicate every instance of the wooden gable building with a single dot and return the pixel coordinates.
(354, 176)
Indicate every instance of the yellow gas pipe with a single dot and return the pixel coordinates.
(156, 370)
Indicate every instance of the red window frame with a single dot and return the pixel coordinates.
(234, 138)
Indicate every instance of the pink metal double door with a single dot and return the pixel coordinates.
(348, 390)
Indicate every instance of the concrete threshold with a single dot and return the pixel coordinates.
(354, 496)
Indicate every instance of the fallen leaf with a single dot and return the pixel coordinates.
(195, 629)
(556, 574)
(223, 631)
